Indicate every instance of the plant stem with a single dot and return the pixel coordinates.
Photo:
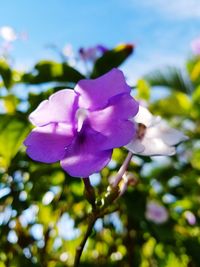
(97, 213)
(80, 248)
(90, 196)
(87, 182)
(89, 192)
(123, 169)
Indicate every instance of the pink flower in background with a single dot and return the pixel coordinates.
(80, 127)
(195, 45)
(190, 217)
(68, 51)
(156, 213)
(92, 53)
(69, 54)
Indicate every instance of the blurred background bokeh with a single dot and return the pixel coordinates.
(48, 46)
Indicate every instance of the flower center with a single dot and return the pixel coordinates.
(81, 116)
(141, 131)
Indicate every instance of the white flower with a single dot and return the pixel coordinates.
(156, 213)
(68, 51)
(154, 136)
(8, 33)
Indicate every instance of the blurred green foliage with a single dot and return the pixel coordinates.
(43, 211)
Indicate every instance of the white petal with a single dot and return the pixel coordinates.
(156, 120)
(135, 146)
(144, 116)
(81, 115)
(172, 136)
(169, 136)
(153, 132)
(156, 147)
(159, 138)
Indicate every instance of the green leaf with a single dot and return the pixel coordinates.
(13, 131)
(10, 103)
(195, 112)
(170, 77)
(195, 159)
(111, 59)
(35, 99)
(143, 90)
(192, 246)
(193, 68)
(173, 260)
(177, 104)
(49, 71)
(46, 215)
(6, 74)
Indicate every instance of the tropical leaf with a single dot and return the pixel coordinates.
(6, 74)
(170, 77)
(13, 130)
(176, 104)
(49, 71)
(193, 68)
(112, 59)
(143, 90)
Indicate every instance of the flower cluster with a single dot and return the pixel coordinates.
(81, 127)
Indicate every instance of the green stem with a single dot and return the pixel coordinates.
(97, 213)
(87, 183)
(80, 248)
(89, 192)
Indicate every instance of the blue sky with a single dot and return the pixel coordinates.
(161, 30)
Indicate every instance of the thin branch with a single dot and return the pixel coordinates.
(97, 213)
(122, 170)
(80, 248)
(89, 192)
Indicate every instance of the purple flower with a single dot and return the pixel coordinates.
(80, 128)
(190, 217)
(156, 212)
(92, 53)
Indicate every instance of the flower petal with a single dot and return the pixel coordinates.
(83, 157)
(47, 144)
(60, 107)
(84, 164)
(113, 122)
(95, 94)
(171, 136)
(156, 147)
(124, 106)
(144, 116)
(135, 146)
(150, 147)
